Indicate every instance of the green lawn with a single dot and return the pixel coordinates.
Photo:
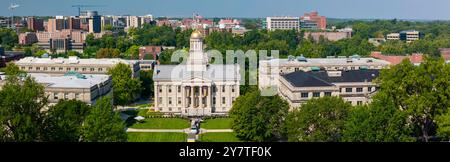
(162, 123)
(218, 137)
(156, 137)
(218, 123)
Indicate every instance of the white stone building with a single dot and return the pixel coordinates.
(271, 69)
(196, 88)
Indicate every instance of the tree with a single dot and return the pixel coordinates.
(108, 53)
(39, 53)
(421, 91)
(8, 38)
(146, 78)
(21, 105)
(103, 124)
(379, 121)
(64, 120)
(443, 123)
(132, 52)
(317, 120)
(259, 118)
(125, 88)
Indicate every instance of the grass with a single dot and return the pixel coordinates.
(157, 137)
(161, 123)
(219, 137)
(218, 123)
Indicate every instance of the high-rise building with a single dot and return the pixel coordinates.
(133, 22)
(312, 20)
(74, 23)
(56, 24)
(95, 25)
(35, 24)
(283, 23)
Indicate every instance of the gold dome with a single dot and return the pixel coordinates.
(196, 34)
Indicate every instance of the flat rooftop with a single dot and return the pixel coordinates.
(325, 61)
(74, 60)
(66, 81)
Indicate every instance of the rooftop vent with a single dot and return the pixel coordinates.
(334, 73)
(302, 58)
(291, 58)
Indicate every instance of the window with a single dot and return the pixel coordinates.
(359, 102)
(304, 95)
(69, 69)
(76, 69)
(170, 100)
(223, 88)
(23, 68)
(66, 96)
(100, 69)
(232, 100)
(232, 88)
(92, 69)
(55, 96)
(170, 109)
(160, 89)
(84, 69)
(369, 89)
(214, 100)
(77, 95)
(316, 94)
(30, 68)
(38, 68)
(327, 93)
(160, 100)
(179, 89)
(60, 69)
(45, 68)
(170, 89)
(359, 89)
(214, 89)
(179, 100)
(53, 68)
(223, 100)
(348, 90)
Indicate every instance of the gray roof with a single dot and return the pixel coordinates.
(321, 78)
(180, 72)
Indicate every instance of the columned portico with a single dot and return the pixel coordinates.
(195, 83)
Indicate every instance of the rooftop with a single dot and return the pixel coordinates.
(74, 60)
(299, 60)
(69, 81)
(324, 78)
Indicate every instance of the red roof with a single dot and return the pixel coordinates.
(395, 59)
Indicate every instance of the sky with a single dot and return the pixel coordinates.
(357, 9)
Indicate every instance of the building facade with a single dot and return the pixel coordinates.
(35, 24)
(312, 20)
(354, 86)
(63, 65)
(271, 69)
(283, 23)
(196, 88)
(85, 88)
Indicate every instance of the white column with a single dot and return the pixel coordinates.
(183, 96)
(192, 96)
(208, 98)
(201, 97)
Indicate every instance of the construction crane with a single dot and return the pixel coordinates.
(12, 7)
(85, 6)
